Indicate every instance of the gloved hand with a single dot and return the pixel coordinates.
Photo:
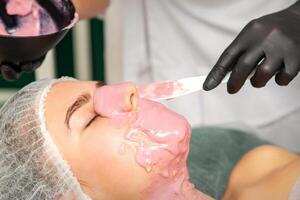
(12, 72)
(270, 45)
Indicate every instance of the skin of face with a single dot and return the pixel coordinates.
(93, 152)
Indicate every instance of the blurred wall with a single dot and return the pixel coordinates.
(114, 32)
(79, 55)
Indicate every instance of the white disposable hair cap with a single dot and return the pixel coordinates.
(31, 167)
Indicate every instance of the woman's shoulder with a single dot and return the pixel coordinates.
(261, 171)
(214, 152)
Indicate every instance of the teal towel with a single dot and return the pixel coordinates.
(213, 154)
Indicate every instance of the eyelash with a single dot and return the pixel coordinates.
(91, 121)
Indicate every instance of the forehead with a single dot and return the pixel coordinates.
(63, 94)
(68, 90)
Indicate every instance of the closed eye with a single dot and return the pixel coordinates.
(91, 121)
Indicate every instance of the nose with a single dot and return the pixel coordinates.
(130, 97)
(112, 100)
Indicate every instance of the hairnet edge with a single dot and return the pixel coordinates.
(61, 164)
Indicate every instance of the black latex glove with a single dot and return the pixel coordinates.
(12, 72)
(270, 45)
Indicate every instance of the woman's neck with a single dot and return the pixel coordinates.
(191, 193)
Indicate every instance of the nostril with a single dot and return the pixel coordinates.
(115, 99)
(133, 100)
(130, 98)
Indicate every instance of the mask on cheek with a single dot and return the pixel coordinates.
(162, 142)
(161, 138)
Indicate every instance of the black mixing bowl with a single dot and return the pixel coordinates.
(17, 49)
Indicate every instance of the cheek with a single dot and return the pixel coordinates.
(106, 162)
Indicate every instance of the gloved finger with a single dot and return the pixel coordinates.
(9, 73)
(228, 58)
(243, 68)
(265, 71)
(33, 65)
(287, 74)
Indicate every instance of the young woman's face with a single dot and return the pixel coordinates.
(98, 132)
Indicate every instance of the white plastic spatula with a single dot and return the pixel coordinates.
(170, 89)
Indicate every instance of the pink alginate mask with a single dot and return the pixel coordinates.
(33, 19)
(161, 137)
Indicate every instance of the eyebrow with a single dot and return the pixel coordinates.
(79, 102)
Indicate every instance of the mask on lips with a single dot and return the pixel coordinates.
(161, 138)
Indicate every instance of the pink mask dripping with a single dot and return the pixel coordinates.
(161, 137)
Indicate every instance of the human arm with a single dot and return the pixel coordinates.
(90, 8)
(269, 45)
(274, 172)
